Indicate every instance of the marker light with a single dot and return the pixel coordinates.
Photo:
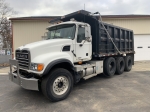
(40, 67)
(80, 62)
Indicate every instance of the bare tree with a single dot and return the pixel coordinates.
(5, 25)
(6, 32)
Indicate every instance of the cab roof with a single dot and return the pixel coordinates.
(80, 15)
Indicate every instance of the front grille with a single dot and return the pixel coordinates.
(23, 57)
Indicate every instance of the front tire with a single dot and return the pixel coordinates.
(57, 85)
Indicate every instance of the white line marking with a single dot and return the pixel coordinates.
(3, 73)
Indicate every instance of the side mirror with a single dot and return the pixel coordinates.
(87, 32)
(45, 36)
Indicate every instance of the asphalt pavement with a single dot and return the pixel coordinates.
(129, 92)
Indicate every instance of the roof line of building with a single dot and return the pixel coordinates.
(126, 16)
(104, 16)
(34, 18)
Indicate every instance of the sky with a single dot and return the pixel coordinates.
(62, 7)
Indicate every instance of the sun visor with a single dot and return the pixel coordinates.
(80, 15)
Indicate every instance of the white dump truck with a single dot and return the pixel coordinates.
(78, 46)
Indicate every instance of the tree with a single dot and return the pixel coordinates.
(5, 25)
(6, 32)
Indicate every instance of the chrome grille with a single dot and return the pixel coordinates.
(23, 57)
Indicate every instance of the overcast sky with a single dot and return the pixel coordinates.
(62, 7)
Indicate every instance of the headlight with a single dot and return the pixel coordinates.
(37, 66)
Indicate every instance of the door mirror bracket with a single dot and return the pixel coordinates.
(88, 39)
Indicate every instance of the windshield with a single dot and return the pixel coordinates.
(66, 31)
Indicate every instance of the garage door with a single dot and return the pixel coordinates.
(142, 47)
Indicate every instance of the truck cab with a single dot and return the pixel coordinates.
(78, 34)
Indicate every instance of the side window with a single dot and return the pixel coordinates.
(81, 34)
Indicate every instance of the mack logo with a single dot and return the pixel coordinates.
(22, 56)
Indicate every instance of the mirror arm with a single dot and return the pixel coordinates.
(84, 41)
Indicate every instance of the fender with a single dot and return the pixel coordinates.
(53, 63)
(47, 58)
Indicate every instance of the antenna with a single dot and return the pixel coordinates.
(84, 14)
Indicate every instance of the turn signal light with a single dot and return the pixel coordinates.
(40, 67)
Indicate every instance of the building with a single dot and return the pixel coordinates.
(31, 29)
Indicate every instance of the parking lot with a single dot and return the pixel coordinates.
(129, 92)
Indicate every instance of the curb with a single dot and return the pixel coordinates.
(3, 73)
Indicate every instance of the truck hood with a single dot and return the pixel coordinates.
(45, 43)
(46, 46)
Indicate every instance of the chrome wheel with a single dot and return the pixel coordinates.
(60, 85)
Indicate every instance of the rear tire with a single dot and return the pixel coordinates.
(109, 67)
(120, 65)
(57, 85)
(128, 63)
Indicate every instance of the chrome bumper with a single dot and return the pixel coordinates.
(26, 83)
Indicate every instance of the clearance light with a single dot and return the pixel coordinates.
(80, 62)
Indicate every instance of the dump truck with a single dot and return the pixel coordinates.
(78, 46)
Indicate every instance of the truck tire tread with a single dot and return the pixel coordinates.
(120, 65)
(46, 89)
(128, 63)
(107, 71)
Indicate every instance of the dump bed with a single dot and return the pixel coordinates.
(101, 44)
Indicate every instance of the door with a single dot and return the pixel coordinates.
(82, 47)
(142, 47)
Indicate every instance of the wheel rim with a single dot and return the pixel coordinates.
(60, 85)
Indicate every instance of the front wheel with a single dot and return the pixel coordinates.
(58, 85)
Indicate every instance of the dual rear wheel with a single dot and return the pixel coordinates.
(117, 66)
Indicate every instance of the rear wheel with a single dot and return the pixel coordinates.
(109, 67)
(128, 63)
(120, 65)
(58, 85)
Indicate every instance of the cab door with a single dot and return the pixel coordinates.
(82, 46)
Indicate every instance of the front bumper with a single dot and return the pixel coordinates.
(26, 83)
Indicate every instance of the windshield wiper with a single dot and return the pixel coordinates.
(57, 37)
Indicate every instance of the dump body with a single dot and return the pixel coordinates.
(101, 44)
(122, 38)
